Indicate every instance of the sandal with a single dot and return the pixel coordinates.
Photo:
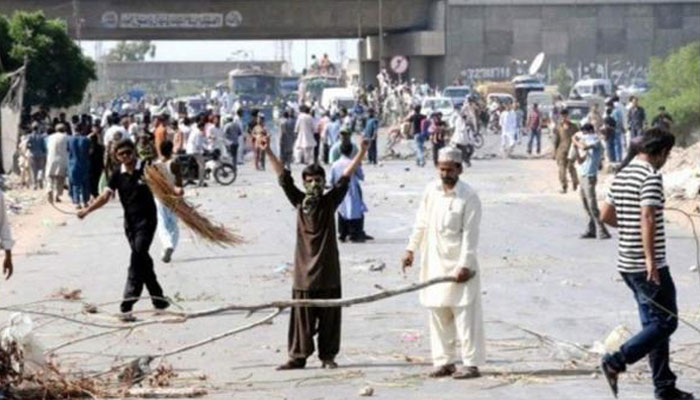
(467, 373)
(445, 370)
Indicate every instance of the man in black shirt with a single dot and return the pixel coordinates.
(416, 120)
(139, 224)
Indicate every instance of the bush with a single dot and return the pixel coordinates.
(675, 84)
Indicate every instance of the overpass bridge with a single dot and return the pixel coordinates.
(443, 39)
(212, 71)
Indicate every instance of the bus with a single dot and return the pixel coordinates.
(253, 86)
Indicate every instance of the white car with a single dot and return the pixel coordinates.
(443, 105)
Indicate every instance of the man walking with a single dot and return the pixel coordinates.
(287, 138)
(509, 130)
(563, 133)
(635, 205)
(416, 121)
(57, 162)
(139, 225)
(232, 132)
(636, 118)
(36, 144)
(533, 128)
(461, 138)
(316, 261)
(351, 212)
(305, 141)
(446, 233)
(370, 132)
(79, 169)
(590, 151)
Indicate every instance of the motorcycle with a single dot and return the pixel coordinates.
(216, 165)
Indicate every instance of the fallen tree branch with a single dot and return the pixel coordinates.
(179, 317)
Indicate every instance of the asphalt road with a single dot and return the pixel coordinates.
(536, 274)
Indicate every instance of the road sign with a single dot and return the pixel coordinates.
(399, 64)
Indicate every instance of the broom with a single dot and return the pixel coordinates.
(187, 213)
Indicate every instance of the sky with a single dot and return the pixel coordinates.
(221, 50)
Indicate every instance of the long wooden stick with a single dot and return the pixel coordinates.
(280, 305)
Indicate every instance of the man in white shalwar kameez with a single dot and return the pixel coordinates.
(509, 130)
(446, 233)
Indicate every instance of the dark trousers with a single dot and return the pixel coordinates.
(354, 228)
(326, 153)
(436, 149)
(657, 327)
(467, 152)
(305, 322)
(233, 149)
(372, 151)
(95, 175)
(317, 136)
(141, 268)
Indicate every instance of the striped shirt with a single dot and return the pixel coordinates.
(637, 185)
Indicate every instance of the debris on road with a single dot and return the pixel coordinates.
(366, 391)
(68, 294)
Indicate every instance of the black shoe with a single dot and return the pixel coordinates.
(610, 376)
(329, 364)
(342, 239)
(292, 364)
(367, 237)
(674, 394)
(588, 235)
(604, 235)
(359, 239)
(127, 317)
(161, 305)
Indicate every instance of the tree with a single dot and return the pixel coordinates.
(57, 71)
(562, 79)
(131, 51)
(675, 84)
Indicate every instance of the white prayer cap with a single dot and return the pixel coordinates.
(450, 154)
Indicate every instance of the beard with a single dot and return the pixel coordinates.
(449, 181)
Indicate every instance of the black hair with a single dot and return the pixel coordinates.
(346, 148)
(239, 112)
(654, 142)
(313, 170)
(417, 109)
(564, 112)
(166, 148)
(285, 114)
(123, 144)
(587, 127)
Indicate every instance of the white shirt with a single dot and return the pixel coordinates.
(195, 141)
(305, 131)
(6, 241)
(133, 132)
(57, 154)
(461, 133)
(509, 122)
(446, 233)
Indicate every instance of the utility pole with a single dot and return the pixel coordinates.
(381, 35)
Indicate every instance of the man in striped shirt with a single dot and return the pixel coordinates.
(635, 206)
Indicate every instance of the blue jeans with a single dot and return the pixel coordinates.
(420, 151)
(535, 134)
(611, 147)
(657, 327)
(618, 145)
